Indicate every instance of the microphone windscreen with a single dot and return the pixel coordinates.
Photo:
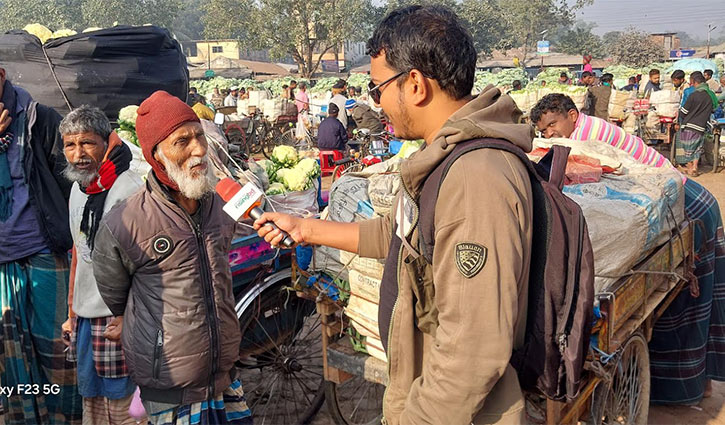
(227, 188)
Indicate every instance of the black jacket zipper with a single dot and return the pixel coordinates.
(157, 353)
(210, 304)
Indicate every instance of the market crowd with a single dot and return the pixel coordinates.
(118, 290)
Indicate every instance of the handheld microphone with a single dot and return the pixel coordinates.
(245, 202)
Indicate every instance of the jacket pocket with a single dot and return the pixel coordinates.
(157, 353)
(420, 274)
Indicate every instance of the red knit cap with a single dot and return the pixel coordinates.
(159, 116)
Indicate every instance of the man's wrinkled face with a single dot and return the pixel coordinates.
(184, 156)
(556, 124)
(84, 153)
(392, 98)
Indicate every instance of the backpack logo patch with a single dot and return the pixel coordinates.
(470, 258)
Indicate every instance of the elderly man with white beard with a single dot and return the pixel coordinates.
(98, 166)
(161, 261)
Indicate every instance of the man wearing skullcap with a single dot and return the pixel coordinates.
(160, 260)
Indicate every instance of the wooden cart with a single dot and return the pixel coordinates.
(617, 386)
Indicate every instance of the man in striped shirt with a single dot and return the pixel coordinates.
(556, 115)
(699, 318)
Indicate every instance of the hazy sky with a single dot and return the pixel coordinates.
(691, 16)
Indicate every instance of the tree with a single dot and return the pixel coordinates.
(636, 49)
(222, 19)
(104, 13)
(302, 29)
(79, 14)
(395, 4)
(485, 23)
(57, 14)
(579, 40)
(609, 38)
(189, 23)
(527, 19)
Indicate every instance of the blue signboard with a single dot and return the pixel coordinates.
(682, 53)
(542, 47)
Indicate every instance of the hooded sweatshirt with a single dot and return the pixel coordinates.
(449, 334)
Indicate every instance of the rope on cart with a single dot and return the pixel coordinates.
(55, 77)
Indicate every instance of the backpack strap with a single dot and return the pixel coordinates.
(431, 187)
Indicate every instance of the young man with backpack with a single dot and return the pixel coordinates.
(458, 242)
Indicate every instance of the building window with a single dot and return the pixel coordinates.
(217, 49)
(191, 50)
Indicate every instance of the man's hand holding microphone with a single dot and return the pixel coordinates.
(284, 230)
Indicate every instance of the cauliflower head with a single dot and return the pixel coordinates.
(309, 166)
(40, 31)
(276, 189)
(129, 114)
(285, 155)
(296, 180)
(63, 33)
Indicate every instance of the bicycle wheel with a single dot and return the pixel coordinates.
(236, 136)
(355, 402)
(281, 350)
(260, 133)
(288, 138)
(270, 142)
(626, 400)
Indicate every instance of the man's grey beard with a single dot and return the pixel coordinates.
(83, 178)
(190, 186)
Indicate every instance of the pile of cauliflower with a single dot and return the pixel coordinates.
(288, 173)
(127, 124)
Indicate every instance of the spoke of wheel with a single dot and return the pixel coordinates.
(268, 336)
(266, 405)
(306, 386)
(362, 398)
(299, 384)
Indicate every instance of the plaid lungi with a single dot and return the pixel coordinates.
(34, 294)
(688, 341)
(688, 146)
(107, 355)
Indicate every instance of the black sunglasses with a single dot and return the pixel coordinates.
(374, 91)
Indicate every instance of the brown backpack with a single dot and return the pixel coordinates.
(561, 281)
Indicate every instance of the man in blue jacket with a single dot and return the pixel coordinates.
(332, 135)
(34, 242)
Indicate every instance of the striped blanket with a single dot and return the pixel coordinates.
(688, 341)
(593, 128)
(228, 408)
(34, 306)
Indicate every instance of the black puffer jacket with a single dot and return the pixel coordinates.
(171, 281)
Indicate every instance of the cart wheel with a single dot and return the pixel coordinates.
(626, 400)
(355, 402)
(281, 356)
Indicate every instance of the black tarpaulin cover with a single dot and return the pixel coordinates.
(109, 68)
